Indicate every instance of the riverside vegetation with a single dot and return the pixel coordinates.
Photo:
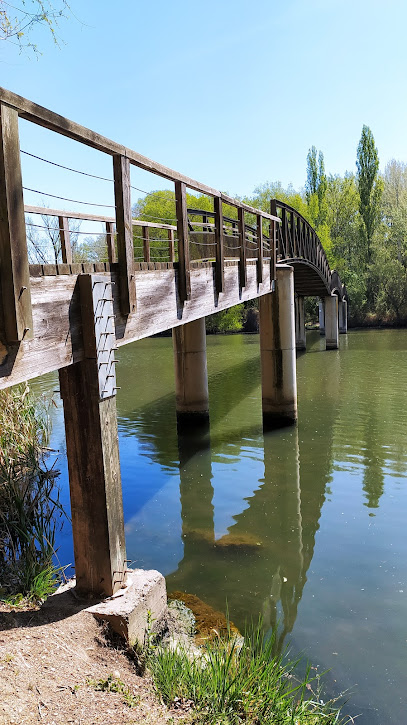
(234, 681)
(30, 511)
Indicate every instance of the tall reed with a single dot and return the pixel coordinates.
(30, 510)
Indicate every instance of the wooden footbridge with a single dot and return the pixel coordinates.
(71, 317)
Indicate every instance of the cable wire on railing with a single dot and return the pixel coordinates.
(203, 244)
(76, 171)
(63, 198)
(60, 229)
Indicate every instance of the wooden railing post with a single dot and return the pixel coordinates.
(124, 227)
(14, 269)
(259, 249)
(184, 275)
(64, 236)
(242, 239)
(171, 250)
(111, 248)
(146, 243)
(220, 251)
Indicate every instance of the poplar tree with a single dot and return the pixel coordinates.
(370, 187)
(316, 185)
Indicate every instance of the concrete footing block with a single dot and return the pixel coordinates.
(131, 610)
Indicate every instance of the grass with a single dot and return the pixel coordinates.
(114, 684)
(30, 510)
(231, 684)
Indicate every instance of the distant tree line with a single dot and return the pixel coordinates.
(360, 218)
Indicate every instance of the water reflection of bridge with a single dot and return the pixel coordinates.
(260, 564)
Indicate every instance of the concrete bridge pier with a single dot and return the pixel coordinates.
(191, 375)
(321, 316)
(300, 335)
(331, 323)
(277, 351)
(343, 316)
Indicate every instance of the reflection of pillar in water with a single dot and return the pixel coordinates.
(196, 490)
(285, 533)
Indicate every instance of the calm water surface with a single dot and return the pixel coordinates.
(306, 526)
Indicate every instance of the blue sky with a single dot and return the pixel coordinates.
(230, 93)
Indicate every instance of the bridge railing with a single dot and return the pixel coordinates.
(14, 273)
(297, 239)
(247, 240)
(143, 235)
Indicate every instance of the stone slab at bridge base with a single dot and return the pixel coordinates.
(132, 610)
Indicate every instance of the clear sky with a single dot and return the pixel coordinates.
(230, 93)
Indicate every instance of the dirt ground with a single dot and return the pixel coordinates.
(47, 660)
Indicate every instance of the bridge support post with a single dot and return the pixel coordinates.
(277, 351)
(321, 317)
(191, 375)
(331, 323)
(343, 316)
(88, 391)
(300, 335)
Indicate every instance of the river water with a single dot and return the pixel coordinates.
(305, 526)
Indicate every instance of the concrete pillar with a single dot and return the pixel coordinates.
(300, 336)
(277, 351)
(343, 316)
(321, 316)
(191, 375)
(331, 322)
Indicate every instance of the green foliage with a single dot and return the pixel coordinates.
(370, 187)
(29, 501)
(274, 190)
(230, 320)
(235, 683)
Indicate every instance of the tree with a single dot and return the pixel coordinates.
(44, 243)
(389, 272)
(17, 22)
(370, 187)
(316, 187)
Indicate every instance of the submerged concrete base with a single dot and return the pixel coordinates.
(131, 611)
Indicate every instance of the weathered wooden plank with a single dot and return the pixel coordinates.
(14, 269)
(61, 268)
(242, 243)
(146, 244)
(64, 236)
(125, 252)
(259, 248)
(220, 253)
(110, 243)
(171, 250)
(90, 217)
(58, 322)
(184, 279)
